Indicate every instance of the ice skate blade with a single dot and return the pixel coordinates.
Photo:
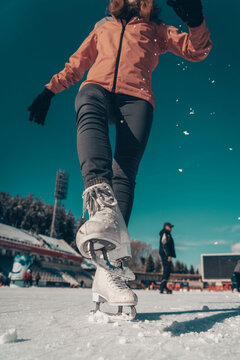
(120, 315)
(98, 299)
(124, 272)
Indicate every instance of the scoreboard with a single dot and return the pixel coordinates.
(218, 266)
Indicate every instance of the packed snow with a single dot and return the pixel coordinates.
(9, 336)
(55, 323)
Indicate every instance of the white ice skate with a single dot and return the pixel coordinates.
(110, 288)
(104, 239)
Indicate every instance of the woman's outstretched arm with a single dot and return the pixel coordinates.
(194, 46)
(74, 70)
(78, 63)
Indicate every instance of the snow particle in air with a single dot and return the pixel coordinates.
(186, 132)
(212, 81)
(191, 111)
(180, 170)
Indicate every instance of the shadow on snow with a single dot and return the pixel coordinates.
(196, 325)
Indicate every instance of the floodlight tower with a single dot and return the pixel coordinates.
(61, 188)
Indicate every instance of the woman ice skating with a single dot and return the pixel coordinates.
(121, 52)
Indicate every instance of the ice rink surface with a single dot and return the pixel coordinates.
(51, 323)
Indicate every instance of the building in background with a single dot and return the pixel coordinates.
(57, 263)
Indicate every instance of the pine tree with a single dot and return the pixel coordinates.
(191, 270)
(177, 267)
(66, 225)
(149, 264)
(35, 216)
(185, 269)
(5, 200)
(180, 268)
(16, 211)
(158, 265)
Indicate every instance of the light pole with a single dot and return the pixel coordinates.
(61, 188)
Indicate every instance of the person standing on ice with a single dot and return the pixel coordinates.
(121, 52)
(237, 275)
(166, 252)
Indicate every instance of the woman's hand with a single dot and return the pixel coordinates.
(39, 108)
(190, 11)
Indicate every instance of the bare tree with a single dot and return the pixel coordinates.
(140, 251)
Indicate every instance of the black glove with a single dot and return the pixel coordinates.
(39, 108)
(190, 11)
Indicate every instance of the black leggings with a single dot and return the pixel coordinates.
(97, 108)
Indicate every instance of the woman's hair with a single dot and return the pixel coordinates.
(146, 9)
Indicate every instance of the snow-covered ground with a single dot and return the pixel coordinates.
(54, 324)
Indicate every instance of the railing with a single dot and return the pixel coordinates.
(39, 248)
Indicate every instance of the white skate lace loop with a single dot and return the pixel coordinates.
(98, 198)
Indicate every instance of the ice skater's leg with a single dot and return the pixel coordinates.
(133, 125)
(105, 228)
(166, 273)
(104, 236)
(93, 143)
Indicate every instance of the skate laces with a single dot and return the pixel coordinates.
(98, 197)
(116, 281)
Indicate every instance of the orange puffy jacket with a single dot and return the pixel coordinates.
(121, 57)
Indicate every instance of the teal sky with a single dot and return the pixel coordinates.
(203, 201)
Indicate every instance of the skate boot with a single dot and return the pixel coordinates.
(109, 287)
(104, 237)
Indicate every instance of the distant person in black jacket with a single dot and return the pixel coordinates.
(237, 275)
(166, 252)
